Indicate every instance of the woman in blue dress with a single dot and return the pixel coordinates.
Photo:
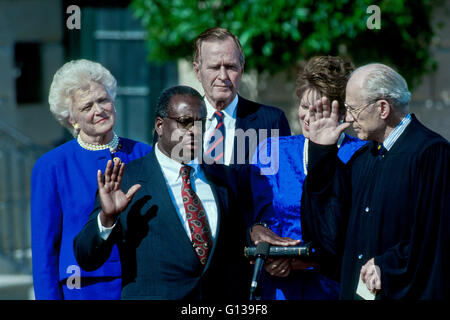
(279, 169)
(64, 183)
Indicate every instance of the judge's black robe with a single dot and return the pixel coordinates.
(395, 208)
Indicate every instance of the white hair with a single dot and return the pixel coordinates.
(383, 82)
(72, 76)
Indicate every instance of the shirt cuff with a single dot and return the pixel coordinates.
(104, 231)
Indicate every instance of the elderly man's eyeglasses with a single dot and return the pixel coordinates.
(356, 111)
(186, 123)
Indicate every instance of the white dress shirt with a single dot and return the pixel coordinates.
(171, 172)
(229, 120)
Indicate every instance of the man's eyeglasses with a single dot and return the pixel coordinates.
(355, 112)
(186, 123)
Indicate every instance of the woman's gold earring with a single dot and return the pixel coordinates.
(76, 126)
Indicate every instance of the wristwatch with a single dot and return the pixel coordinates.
(249, 231)
(261, 223)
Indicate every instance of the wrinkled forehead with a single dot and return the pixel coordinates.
(88, 90)
(217, 49)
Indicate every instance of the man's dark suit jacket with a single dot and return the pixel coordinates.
(256, 116)
(249, 115)
(253, 115)
(157, 257)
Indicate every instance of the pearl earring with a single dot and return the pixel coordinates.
(76, 126)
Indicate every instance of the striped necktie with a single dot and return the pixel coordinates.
(216, 145)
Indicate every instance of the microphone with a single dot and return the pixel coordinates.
(261, 253)
(304, 250)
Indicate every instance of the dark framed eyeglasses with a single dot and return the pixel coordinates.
(186, 123)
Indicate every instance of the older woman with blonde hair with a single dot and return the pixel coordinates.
(63, 183)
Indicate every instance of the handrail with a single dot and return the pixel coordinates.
(17, 136)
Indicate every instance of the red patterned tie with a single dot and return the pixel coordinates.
(196, 216)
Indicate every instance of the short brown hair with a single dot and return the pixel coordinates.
(214, 34)
(328, 75)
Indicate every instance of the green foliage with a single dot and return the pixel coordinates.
(275, 34)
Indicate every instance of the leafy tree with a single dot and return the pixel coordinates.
(275, 34)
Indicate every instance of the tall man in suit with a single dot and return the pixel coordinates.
(219, 64)
(234, 125)
(168, 222)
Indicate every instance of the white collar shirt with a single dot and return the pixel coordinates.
(230, 127)
(396, 133)
(200, 185)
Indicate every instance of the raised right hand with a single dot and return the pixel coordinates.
(324, 126)
(112, 199)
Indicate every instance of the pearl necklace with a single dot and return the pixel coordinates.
(305, 152)
(305, 156)
(112, 145)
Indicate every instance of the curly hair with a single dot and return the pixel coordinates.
(72, 76)
(328, 75)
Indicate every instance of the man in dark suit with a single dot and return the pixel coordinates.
(169, 225)
(234, 125)
(219, 64)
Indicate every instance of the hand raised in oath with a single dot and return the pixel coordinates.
(112, 199)
(324, 125)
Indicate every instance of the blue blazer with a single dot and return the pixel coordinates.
(253, 115)
(63, 186)
(158, 260)
(277, 198)
(261, 118)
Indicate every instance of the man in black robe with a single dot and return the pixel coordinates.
(387, 212)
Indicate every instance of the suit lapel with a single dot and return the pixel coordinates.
(245, 119)
(244, 115)
(154, 184)
(152, 179)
